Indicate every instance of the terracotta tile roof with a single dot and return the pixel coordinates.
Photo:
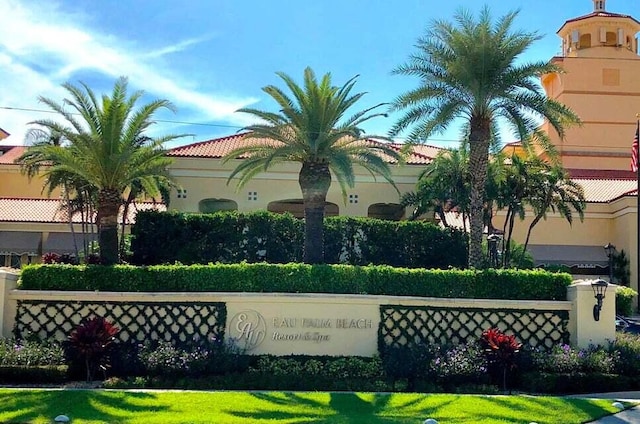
(600, 14)
(49, 211)
(8, 154)
(605, 190)
(217, 148)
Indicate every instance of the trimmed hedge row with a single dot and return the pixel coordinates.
(301, 278)
(230, 237)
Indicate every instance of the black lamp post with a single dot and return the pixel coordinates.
(610, 248)
(492, 244)
(599, 289)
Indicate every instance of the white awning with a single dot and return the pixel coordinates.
(20, 242)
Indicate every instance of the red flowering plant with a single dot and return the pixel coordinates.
(501, 350)
(91, 340)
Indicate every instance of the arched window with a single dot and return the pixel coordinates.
(217, 205)
(388, 211)
(296, 207)
(585, 41)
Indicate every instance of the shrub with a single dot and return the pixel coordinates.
(627, 347)
(163, 358)
(212, 357)
(90, 342)
(26, 353)
(301, 278)
(624, 300)
(563, 359)
(38, 374)
(501, 351)
(278, 238)
(465, 363)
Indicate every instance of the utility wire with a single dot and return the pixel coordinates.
(236, 127)
(202, 124)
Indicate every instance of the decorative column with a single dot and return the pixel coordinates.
(584, 329)
(8, 307)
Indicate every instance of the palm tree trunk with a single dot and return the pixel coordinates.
(70, 216)
(478, 160)
(314, 180)
(109, 201)
(507, 252)
(526, 242)
(125, 213)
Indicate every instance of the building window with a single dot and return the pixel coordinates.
(182, 193)
(217, 205)
(296, 207)
(253, 196)
(387, 211)
(353, 198)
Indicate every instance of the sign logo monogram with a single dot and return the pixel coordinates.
(248, 328)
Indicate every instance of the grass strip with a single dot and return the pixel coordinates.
(168, 407)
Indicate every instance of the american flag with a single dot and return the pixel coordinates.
(634, 149)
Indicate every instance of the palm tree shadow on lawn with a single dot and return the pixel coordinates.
(342, 408)
(77, 404)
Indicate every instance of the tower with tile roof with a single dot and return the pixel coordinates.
(601, 84)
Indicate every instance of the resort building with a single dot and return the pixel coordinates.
(600, 83)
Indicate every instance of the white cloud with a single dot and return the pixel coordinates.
(42, 47)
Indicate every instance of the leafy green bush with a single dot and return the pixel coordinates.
(301, 278)
(167, 237)
(162, 358)
(551, 383)
(627, 347)
(624, 300)
(26, 353)
(39, 374)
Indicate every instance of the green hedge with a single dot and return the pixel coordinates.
(624, 300)
(43, 374)
(229, 237)
(301, 278)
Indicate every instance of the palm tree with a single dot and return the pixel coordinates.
(107, 148)
(310, 128)
(553, 190)
(442, 186)
(468, 71)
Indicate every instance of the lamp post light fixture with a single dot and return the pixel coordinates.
(492, 244)
(610, 249)
(599, 290)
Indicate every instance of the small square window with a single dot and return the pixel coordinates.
(353, 198)
(182, 193)
(253, 195)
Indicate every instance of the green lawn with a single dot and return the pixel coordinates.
(102, 406)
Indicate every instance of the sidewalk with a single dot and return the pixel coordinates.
(630, 416)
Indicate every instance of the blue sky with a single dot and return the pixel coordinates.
(211, 57)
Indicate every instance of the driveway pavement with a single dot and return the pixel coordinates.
(631, 416)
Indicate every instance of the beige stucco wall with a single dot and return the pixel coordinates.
(14, 184)
(603, 141)
(319, 324)
(207, 178)
(614, 222)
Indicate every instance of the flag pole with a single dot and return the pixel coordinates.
(638, 210)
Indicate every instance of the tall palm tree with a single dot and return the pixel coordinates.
(311, 128)
(554, 191)
(469, 70)
(442, 186)
(107, 148)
